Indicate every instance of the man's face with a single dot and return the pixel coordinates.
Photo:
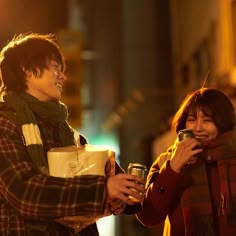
(48, 85)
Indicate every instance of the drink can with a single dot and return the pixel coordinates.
(138, 170)
(185, 133)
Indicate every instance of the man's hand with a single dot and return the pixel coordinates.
(122, 185)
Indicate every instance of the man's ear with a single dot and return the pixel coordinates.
(28, 73)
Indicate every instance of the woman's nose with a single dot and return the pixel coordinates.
(198, 125)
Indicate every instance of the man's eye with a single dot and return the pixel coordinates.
(56, 67)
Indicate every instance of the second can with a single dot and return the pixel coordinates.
(138, 170)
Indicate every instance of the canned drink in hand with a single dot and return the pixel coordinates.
(138, 170)
(185, 133)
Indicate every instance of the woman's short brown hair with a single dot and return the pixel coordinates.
(212, 102)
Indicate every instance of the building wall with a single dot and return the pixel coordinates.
(202, 42)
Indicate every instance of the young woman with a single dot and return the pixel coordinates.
(192, 187)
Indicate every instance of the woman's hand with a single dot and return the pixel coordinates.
(185, 153)
(122, 185)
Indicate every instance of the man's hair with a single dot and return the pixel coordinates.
(27, 52)
(213, 103)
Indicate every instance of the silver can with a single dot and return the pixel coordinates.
(138, 170)
(185, 133)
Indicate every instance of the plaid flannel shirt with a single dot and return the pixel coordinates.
(28, 196)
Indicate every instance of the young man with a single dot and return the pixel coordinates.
(32, 121)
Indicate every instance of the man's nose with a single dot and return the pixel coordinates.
(62, 75)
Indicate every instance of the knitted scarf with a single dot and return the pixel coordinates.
(196, 203)
(25, 106)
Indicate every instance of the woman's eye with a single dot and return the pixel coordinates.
(207, 120)
(190, 119)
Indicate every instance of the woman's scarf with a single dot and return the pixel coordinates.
(25, 106)
(196, 200)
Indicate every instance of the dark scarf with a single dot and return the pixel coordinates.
(25, 106)
(196, 203)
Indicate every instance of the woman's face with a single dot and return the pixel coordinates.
(202, 125)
